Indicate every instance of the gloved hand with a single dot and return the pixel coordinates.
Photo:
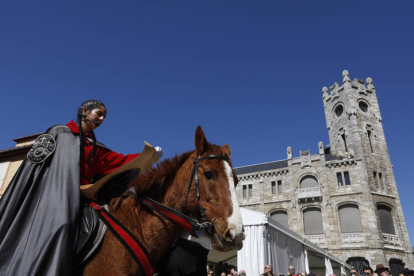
(158, 152)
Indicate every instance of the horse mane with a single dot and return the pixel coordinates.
(159, 177)
(155, 182)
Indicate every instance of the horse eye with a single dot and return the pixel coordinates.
(209, 175)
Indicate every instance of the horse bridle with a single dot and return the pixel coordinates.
(194, 174)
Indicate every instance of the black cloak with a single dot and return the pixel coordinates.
(39, 212)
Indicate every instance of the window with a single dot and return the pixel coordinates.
(385, 218)
(338, 110)
(339, 177)
(347, 179)
(370, 140)
(363, 106)
(312, 221)
(380, 186)
(308, 182)
(3, 170)
(281, 217)
(248, 190)
(344, 139)
(359, 263)
(279, 186)
(343, 178)
(378, 180)
(350, 218)
(277, 189)
(396, 266)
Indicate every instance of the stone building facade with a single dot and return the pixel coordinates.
(344, 198)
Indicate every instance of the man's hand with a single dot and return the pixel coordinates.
(158, 152)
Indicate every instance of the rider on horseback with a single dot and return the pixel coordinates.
(39, 211)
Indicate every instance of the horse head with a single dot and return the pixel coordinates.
(217, 184)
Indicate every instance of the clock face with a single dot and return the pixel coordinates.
(363, 106)
(338, 110)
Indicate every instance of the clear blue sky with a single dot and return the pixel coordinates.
(249, 72)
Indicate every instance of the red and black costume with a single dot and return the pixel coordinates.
(39, 211)
(105, 161)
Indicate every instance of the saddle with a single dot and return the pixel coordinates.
(91, 233)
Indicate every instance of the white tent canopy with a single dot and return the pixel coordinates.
(268, 242)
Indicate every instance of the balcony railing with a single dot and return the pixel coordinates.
(305, 193)
(391, 239)
(353, 239)
(316, 239)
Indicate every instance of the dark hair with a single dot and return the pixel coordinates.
(368, 268)
(90, 105)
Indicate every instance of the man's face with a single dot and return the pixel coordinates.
(291, 270)
(367, 272)
(384, 273)
(353, 272)
(233, 272)
(267, 268)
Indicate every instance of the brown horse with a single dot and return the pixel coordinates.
(168, 184)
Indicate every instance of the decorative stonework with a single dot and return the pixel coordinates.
(305, 158)
(353, 239)
(341, 163)
(316, 239)
(264, 174)
(391, 239)
(309, 193)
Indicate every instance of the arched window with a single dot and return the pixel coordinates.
(396, 266)
(281, 217)
(308, 182)
(359, 263)
(338, 110)
(385, 218)
(350, 218)
(312, 221)
(363, 106)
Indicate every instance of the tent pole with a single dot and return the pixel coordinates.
(265, 245)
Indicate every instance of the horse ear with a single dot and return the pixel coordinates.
(227, 149)
(200, 141)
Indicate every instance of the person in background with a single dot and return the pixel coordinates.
(408, 272)
(354, 272)
(368, 271)
(242, 273)
(268, 271)
(381, 270)
(303, 273)
(292, 270)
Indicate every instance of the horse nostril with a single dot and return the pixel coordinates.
(230, 235)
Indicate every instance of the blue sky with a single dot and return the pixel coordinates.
(249, 72)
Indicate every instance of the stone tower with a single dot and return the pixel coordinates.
(355, 129)
(344, 197)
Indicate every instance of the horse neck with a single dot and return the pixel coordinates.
(157, 235)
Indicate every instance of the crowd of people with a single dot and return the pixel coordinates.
(228, 270)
